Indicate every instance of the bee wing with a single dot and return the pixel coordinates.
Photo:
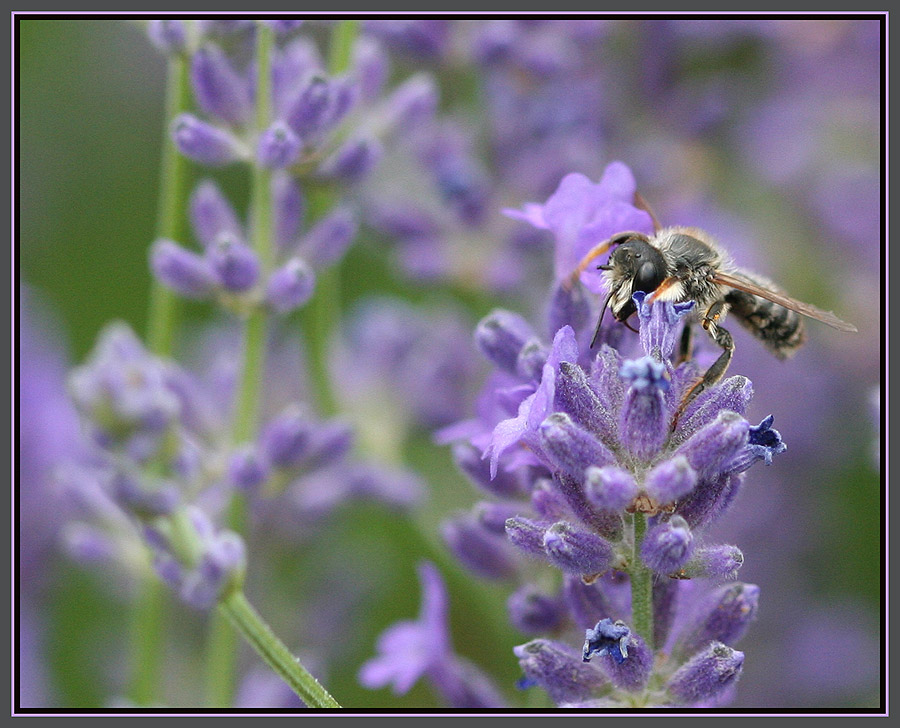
(807, 309)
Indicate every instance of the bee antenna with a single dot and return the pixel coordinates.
(600, 320)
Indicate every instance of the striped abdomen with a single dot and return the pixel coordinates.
(779, 328)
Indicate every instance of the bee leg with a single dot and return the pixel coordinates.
(685, 345)
(717, 370)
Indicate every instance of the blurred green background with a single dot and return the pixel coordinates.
(91, 125)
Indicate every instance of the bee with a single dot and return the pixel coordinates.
(684, 264)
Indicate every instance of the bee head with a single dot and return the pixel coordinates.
(635, 265)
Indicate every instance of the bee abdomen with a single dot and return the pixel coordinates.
(779, 328)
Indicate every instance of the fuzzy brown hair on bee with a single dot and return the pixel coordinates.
(684, 264)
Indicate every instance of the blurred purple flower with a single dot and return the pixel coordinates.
(411, 650)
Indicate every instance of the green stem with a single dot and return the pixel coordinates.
(222, 645)
(248, 622)
(171, 221)
(148, 626)
(149, 617)
(641, 585)
(340, 51)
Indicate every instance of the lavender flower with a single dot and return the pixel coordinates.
(411, 650)
(608, 443)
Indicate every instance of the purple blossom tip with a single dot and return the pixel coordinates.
(219, 89)
(670, 480)
(606, 637)
(235, 263)
(659, 324)
(707, 674)
(290, 286)
(766, 441)
(644, 373)
(609, 488)
(576, 551)
(501, 335)
(203, 142)
(278, 146)
(185, 272)
(667, 546)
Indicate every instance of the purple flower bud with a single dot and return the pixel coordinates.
(501, 335)
(586, 602)
(247, 468)
(234, 262)
(706, 675)
(569, 306)
(558, 669)
(212, 215)
(219, 89)
(170, 36)
(204, 143)
(571, 448)
(577, 552)
(412, 103)
(86, 544)
(667, 546)
(714, 562)
(469, 460)
(734, 394)
(286, 439)
(352, 161)
(309, 111)
(609, 488)
(606, 638)
(188, 274)
(278, 146)
(527, 535)
(327, 241)
(288, 209)
(670, 480)
(710, 449)
(548, 501)
(607, 383)
(143, 498)
(632, 672)
(643, 422)
(659, 325)
(531, 359)
(477, 548)
(371, 66)
(607, 524)
(575, 397)
(534, 612)
(493, 516)
(727, 615)
(330, 442)
(709, 499)
(290, 286)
